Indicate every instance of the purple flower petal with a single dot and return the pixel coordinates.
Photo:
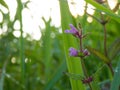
(67, 31)
(73, 52)
(73, 31)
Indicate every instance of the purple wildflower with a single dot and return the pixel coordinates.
(86, 52)
(73, 31)
(73, 52)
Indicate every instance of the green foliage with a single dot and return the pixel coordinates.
(28, 64)
(74, 65)
(114, 49)
(104, 9)
(2, 2)
(98, 54)
(116, 82)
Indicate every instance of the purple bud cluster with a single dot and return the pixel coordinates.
(79, 53)
(73, 31)
(72, 51)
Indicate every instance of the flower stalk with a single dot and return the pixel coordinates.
(80, 53)
(103, 23)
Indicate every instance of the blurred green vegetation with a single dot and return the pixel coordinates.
(39, 64)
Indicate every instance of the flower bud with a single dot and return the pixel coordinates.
(73, 31)
(86, 52)
(73, 52)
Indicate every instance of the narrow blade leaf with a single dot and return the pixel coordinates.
(98, 54)
(3, 3)
(114, 49)
(116, 81)
(74, 76)
(103, 9)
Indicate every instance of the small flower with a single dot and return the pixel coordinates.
(73, 52)
(87, 80)
(73, 31)
(86, 52)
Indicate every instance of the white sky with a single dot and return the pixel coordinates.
(42, 8)
(32, 16)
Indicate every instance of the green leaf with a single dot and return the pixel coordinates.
(58, 74)
(94, 83)
(114, 49)
(105, 10)
(3, 3)
(73, 64)
(116, 81)
(2, 76)
(47, 47)
(74, 76)
(98, 54)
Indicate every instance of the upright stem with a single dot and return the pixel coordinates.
(105, 48)
(103, 22)
(82, 61)
(105, 40)
(111, 69)
(22, 56)
(81, 41)
(85, 72)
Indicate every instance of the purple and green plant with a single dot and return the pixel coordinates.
(81, 52)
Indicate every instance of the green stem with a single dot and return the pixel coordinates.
(111, 69)
(83, 64)
(105, 48)
(22, 57)
(85, 72)
(105, 40)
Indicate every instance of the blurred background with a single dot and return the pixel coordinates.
(32, 53)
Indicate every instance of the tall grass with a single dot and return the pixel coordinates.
(28, 64)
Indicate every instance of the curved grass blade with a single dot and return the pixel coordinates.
(116, 80)
(3, 74)
(103, 9)
(2, 2)
(14, 80)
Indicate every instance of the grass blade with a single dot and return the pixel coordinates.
(47, 47)
(21, 48)
(73, 64)
(103, 9)
(56, 76)
(114, 49)
(3, 74)
(3, 3)
(98, 54)
(116, 81)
